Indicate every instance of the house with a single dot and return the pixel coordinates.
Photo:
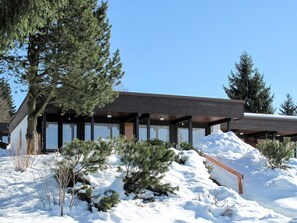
(143, 116)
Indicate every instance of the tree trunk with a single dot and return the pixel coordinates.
(33, 58)
(32, 124)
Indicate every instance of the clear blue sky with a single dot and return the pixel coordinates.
(189, 47)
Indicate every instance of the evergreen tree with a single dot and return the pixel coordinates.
(7, 96)
(247, 84)
(288, 107)
(4, 109)
(67, 59)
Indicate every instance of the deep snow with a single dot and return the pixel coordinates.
(274, 189)
(198, 198)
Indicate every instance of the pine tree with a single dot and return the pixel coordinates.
(7, 96)
(67, 60)
(247, 84)
(4, 109)
(288, 107)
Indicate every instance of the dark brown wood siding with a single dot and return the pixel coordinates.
(175, 105)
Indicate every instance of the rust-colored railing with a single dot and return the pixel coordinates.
(239, 175)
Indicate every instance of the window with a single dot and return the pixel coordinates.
(142, 132)
(69, 132)
(103, 130)
(183, 135)
(87, 131)
(198, 134)
(106, 130)
(156, 132)
(52, 135)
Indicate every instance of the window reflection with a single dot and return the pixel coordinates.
(52, 135)
(198, 134)
(103, 130)
(69, 132)
(88, 131)
(156, 132)
(183, 135)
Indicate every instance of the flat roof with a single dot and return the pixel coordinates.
(270, 116)
(182, 97)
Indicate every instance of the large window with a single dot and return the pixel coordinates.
(69, 132)
(103, 130)
(156, 132)
(52, 135)
(183, 135)
(198, 134)
(87, 131)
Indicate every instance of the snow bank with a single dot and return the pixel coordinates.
(198, 198)
(274, 189)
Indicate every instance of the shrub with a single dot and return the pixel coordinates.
(86, 156)
(85, 193)
(277, 153)
(159, 142)
(83, 157)
(186, 146)
(110, 199)
(79, 158)
(145, 166)
(180, 158)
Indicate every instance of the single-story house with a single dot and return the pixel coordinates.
(143, 116)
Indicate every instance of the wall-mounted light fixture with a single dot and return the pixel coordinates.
(109, 116)
(162, 119)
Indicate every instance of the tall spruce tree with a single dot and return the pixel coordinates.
(247, 84)
(67, 58)
(4, 109)
(288, 107)
(7, 96)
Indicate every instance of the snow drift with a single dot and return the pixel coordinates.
(274, 189)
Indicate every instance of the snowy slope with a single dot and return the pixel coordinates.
(198, 199)
(273, 189)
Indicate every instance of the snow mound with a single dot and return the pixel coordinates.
(198, 199)
(274, 189)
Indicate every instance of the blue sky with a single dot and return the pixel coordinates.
(190, 47)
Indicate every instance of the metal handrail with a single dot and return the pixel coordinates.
(239, 175)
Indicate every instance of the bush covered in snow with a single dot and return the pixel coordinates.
(145, 165)
(186, 146)
(79, 158)
(159, 142)
(277, 153)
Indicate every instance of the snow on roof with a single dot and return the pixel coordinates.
(269, 116)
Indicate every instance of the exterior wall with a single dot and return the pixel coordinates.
(18, 137)
(129, 133)
(252, 141)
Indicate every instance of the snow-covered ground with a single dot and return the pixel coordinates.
(274, 189)
(198, 198)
